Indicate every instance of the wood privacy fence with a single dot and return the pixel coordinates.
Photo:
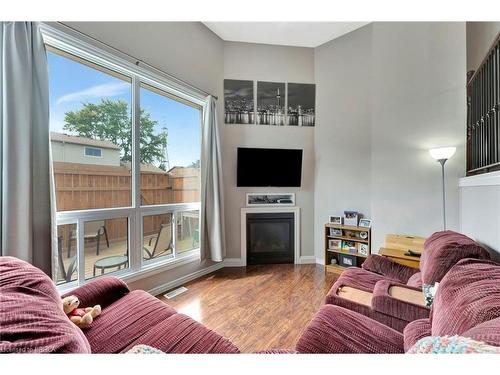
(86, 186)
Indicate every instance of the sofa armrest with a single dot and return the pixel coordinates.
(337, 330)
(388, 268)
(384, 302)
(415, 331)
(101, 291)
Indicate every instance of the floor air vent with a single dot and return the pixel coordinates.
(175, 292)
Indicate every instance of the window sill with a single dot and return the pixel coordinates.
(161, 266)
(146, 271)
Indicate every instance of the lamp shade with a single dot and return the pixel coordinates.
(442, 152)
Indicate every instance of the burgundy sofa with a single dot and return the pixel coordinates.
(32, 319)
(442, 251)
(467, 303)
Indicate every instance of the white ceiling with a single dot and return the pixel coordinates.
(301, 34)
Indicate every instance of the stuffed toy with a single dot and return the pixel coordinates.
(82, 317)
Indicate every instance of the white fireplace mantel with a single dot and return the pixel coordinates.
(247, 210)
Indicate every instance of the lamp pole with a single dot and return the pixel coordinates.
(442, 161)
(442, 154)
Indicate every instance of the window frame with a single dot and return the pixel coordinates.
(92, 148)
(85, 48)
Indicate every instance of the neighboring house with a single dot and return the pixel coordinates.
(72, 149)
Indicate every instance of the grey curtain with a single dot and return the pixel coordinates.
(24, 127)
(213, 240)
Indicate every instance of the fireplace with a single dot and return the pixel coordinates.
(270, 237)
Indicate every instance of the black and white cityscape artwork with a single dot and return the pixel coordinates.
(301, 104)
(238, 102)
(270, 103)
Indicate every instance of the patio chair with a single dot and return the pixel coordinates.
(162, 243)
(94, 230)
(66, 275)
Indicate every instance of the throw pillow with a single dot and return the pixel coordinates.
(451, 345)
(429, 293)
(144, 349)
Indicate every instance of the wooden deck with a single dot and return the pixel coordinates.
(115, 248)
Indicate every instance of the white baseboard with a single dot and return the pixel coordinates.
(234, 262)
(320, 261)
(307, 259)
(184, 279)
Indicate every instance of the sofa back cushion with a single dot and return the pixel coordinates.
(468, 296)
(31, 315)
(443, 250)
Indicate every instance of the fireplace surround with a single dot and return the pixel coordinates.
(272, 211)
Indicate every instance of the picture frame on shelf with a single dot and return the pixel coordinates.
(334, 244)
(363, 249)
(337, 220)
(349, 246)
(365, 223)
(335, 232)
(351, 218)
(347, 260)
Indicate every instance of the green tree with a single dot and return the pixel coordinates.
(110, 120)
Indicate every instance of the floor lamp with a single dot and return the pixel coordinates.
(442, 154)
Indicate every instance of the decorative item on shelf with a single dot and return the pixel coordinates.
(270, 199)
(333, 261)
(347, 260)
(337, 220)
(351, 234)
(365, 223)
(351, 218)
(363, 235)
(349, 246)
(363, 249)
(335, 232)
(334, 244)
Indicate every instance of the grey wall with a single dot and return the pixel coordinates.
(343, 131)
(187, 50)
(480, 210)
(480, 37)
(276, 64)
(388, 92)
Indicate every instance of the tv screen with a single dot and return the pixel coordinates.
(269, 167)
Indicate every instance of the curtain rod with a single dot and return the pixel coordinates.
(138, 61)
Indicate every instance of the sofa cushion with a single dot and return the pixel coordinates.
(125, 320)
(363, 280)
(415, 280)
(384, 302)
(337, 330)
(442, 250)
(416, 330)
(31, 316)
(488, 332)
(180, 334)
(467, 296)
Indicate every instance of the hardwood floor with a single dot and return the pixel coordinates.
(257, 307)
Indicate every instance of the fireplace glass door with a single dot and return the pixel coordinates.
(270, 238)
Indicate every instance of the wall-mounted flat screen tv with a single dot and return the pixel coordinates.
(269, 167)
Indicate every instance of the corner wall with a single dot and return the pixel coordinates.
(389, 92)
(260, 62)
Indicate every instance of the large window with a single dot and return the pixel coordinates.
(126, 161)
